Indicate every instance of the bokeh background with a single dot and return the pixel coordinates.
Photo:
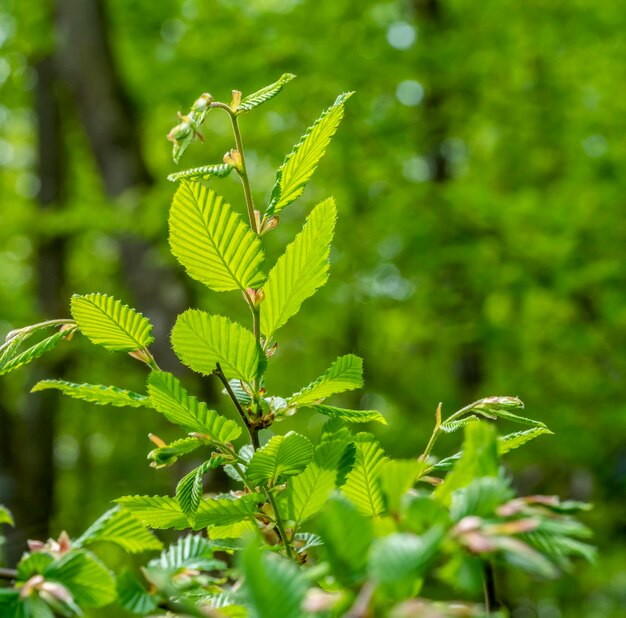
(480, 177)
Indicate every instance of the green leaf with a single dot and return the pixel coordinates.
(281, 456)
(168, 454)
(5, 516)
(307, 493)
(452, 426)
(170, 399)
(212, 241)
(122, 528)
(273, 586)
(265, 94)
(362, 486)
(301, 270)
(33, 564)
(133, 596)
(480, 498)
(219, 170)
(479, 458)
(11, 361)
(397, 561)
(161, 512)
(500, 407)
(514, 440)
(189, 552)
(107, 322)
(347, 536)
(201, 341)
(89, 581)
(301, 163)
(349, 416)
(396, 477)
(189, 490)
(94, 393)
(345, 374)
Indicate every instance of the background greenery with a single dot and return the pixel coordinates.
(479, 250)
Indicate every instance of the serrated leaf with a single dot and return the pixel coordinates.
(11, 360)
(170, 399)
(122, 528)
(88, 580)
(301, 163)
(219, 170)
(396, 477)
(514, 440)
(479, 458)
(168, 454)
(212, 241)
(189, 552)
(133, 596)
(265, 94)
(281, 456)
(227, 537)
(6, 517)
(301, 270)
(201, 341)
(307, 492)
(349, 416)
(94, 393)
(347, 536)
(345, 374)
(189, 490)
(501, 407)
(162, 512)
(106, 321)
(362, 486)
(33, 564)
(452, 426)
(273, 586)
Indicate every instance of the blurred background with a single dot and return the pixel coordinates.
(479, 174)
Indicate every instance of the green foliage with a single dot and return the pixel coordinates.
(265, 94)
(108, 322)
(11, 359)
(219, 170)
(300, 271)
(212, 242)
(94, 393)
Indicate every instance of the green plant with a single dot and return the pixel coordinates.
(330, 527)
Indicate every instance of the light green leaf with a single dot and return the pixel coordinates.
(169, 398)
(189, 552)
(219, 170)
(345, 374)
(133, 596)
(452, 426)
(201, 341)
(107, 322)
(300, 271)
(122, 528)
(396, 477)
(212, 241)
(301, 163)
(265, 94)
(168, 454)
(224, 511)
(94, 393)
(12, 360)
(189, 490)
(88, 580)
(500, 407)
(479, 458)
(226, 534)
(273, 586)
(307, 493)
(5, 516)
(349, 416)
(362, 486)
(514, 440)
(281, 456)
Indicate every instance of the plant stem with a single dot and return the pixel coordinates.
(489, 588)
(279, 524)
(220, 374)
(8, 574)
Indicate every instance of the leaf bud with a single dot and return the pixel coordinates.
(271, 350)
(269, 224)
(202, 103)
(233, 157)
(156, 440)
(256, 296)
(234, 104)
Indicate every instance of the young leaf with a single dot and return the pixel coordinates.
(301, 270)
(226, 511)
(345, 374)
(349, 416)
(170, 399)
(94, 393)
(201, 341)
(273, 586)
(281, 456)
(362, 485)
(479, 458)
(189, 490)
(301, 163)
(265, 94)
(212, 242)
(107, 322)
(307, 492)
(169, 454)
(11, 361)
(396, 477)
(219, 170)
(88, 580)
(122, 528)
(6, 517)
(514, 440)
(133, 596)
(158, 512)
(501, 407)
(190, 552)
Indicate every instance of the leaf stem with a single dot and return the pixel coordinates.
(279, 524)
(9, 574)
(220, 374)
